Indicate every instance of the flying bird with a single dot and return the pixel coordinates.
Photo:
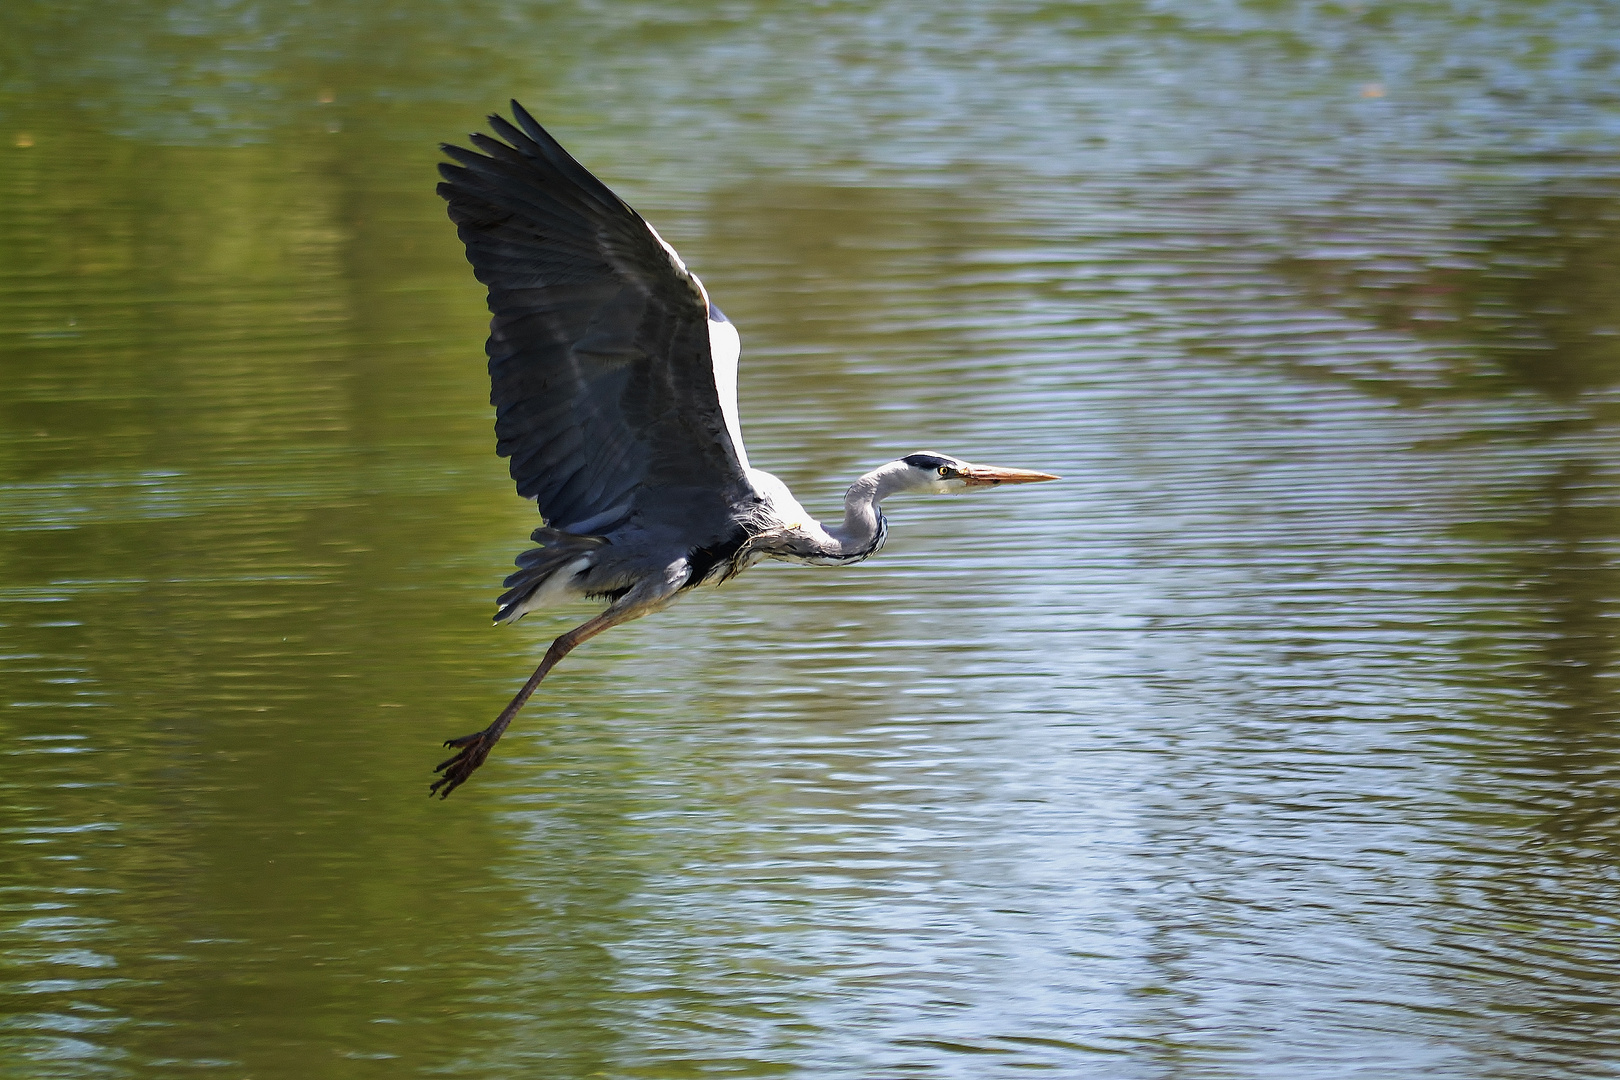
(614, 381)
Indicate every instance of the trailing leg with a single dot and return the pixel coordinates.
(473, 749)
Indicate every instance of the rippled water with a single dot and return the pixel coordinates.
(1277, 741)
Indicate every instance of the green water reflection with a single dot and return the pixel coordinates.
(1279, 737)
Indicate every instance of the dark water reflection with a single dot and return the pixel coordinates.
(1278, 741)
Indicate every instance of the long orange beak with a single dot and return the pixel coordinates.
(990, 475)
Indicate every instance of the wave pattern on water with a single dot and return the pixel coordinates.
(1277, 741)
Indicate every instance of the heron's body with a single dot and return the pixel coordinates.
(614, 379)
(770, 523)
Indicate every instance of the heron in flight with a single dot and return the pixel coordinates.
(615, 390)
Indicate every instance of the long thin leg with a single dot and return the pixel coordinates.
(474, 748)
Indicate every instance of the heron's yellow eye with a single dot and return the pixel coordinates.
(944, 470)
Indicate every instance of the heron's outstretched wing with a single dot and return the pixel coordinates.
(603, 379)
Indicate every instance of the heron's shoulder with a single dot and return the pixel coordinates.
(776, 500)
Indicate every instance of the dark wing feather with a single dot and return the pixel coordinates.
(599, 362)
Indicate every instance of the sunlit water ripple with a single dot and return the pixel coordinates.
(1276, 741)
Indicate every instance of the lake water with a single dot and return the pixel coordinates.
(1277, 741)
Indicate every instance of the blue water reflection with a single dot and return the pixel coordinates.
(1276, 742)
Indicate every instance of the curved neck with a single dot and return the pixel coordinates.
(863, 528)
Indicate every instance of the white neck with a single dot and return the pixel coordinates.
(863, 527)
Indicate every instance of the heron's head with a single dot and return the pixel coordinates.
(937, 474)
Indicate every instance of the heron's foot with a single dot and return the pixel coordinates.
(473, 749)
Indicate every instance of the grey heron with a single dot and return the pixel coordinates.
(614, 381)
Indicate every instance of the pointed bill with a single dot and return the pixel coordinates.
(990, 475)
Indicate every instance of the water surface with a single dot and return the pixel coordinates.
(1277, 741)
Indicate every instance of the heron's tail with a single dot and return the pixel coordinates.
(545, 572)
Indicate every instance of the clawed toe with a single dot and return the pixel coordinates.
(474, 749)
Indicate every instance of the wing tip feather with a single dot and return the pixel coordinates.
(529, 124)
